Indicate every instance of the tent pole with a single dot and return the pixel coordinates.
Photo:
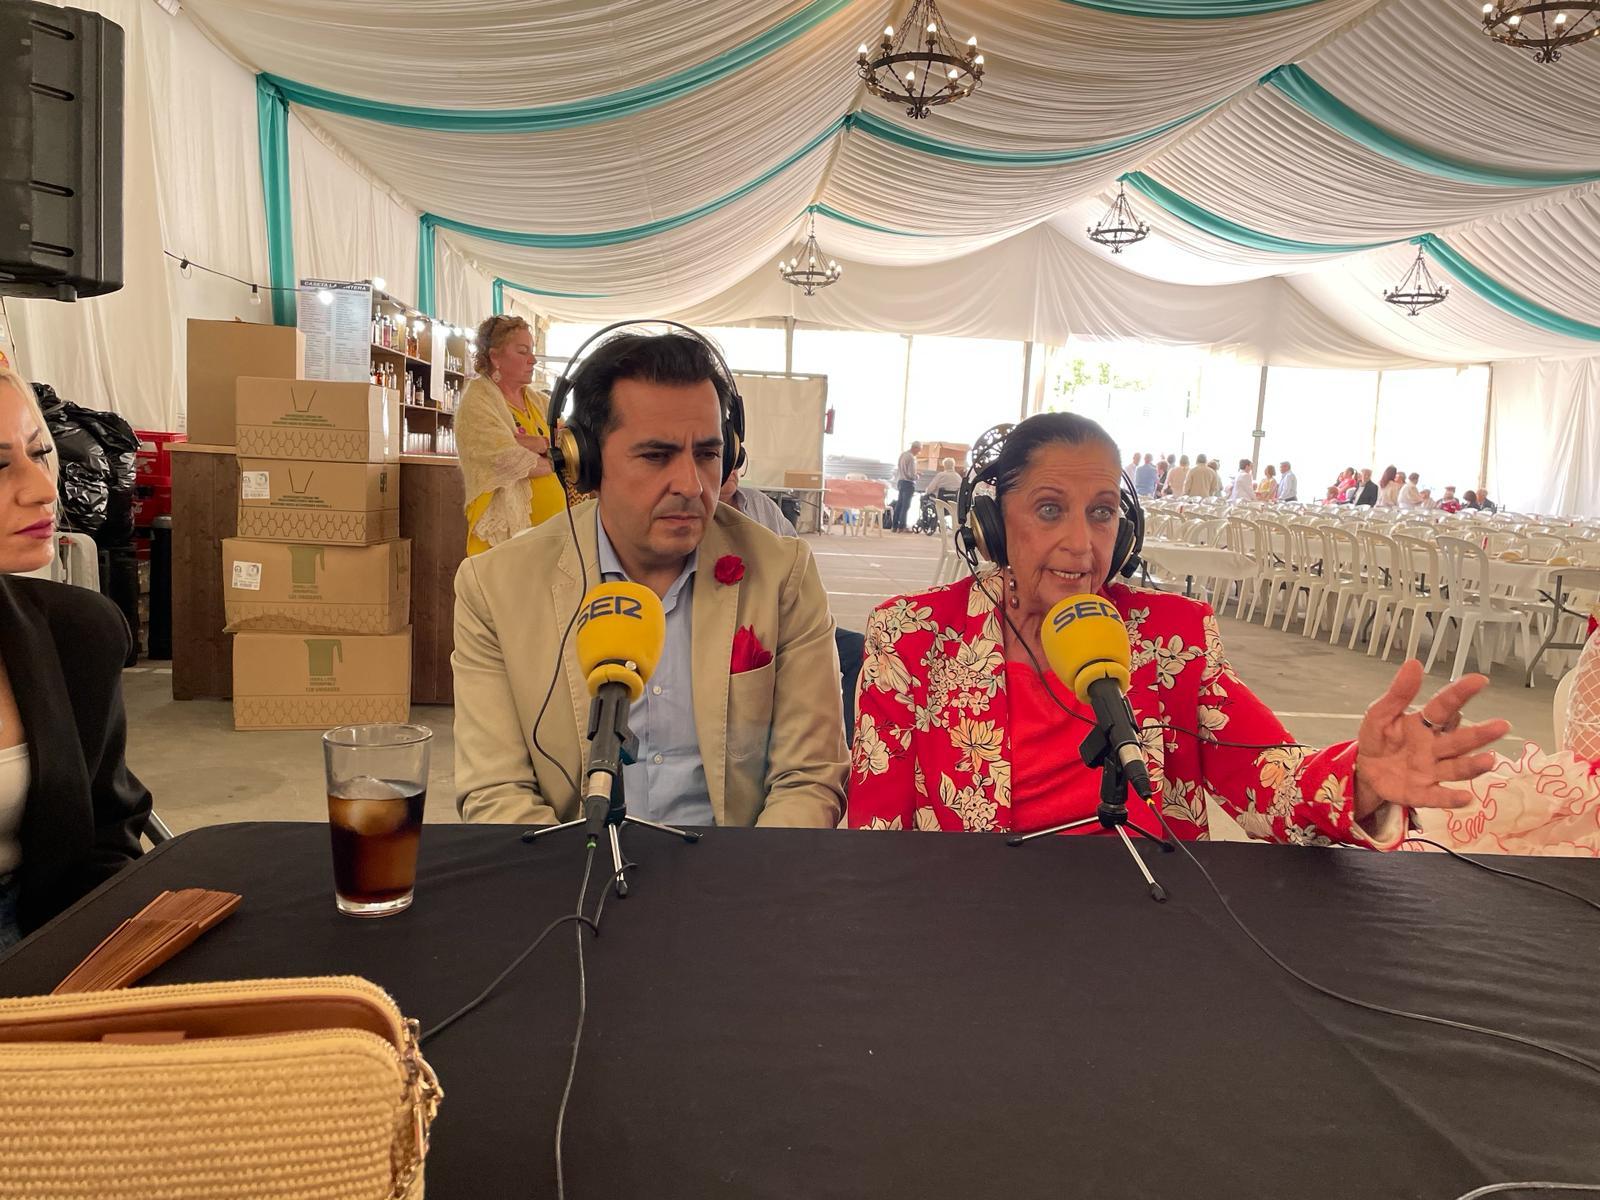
(788, 345)
(1261, 415)
(905, 396)
(1488, 426)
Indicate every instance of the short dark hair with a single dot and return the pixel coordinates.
(669, 358)
(1044, 429)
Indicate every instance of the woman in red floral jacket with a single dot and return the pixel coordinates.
(956, 727)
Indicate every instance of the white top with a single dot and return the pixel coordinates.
(1411, 496)
(13, 795)
(1244, 488)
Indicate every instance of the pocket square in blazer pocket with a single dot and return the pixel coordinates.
(748, 652)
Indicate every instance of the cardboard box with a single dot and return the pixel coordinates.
(314, 420)
(349, 504)
(802, 479)
(277, 586)
(220, 352)
(318, 681)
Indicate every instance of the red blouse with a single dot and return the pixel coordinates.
(1050, 784)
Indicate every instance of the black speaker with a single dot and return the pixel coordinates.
(60, 152)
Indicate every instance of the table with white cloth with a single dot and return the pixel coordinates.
(1195, 562)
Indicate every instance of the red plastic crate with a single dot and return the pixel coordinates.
(149, 503)
(153, 462)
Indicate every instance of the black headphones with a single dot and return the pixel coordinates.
(981, 531)
(575, 448)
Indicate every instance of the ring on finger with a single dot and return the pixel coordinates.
(1439, 727)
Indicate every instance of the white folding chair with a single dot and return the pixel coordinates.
(1472, 605)
(1419, 573)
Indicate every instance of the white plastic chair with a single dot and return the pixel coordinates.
(1381, 557)
(76, 561)
(1472, 606)
(1419, 574)
(1346, 582)
(1275, 547)
(949, 565)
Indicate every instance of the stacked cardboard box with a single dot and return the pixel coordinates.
(317, 586)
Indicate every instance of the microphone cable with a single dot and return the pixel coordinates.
(561, 649)
(1386, 1010)
(1501, 871)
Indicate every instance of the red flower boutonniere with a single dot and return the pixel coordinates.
(729, 569)
(748, 652)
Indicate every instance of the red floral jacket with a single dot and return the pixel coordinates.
(932, 749)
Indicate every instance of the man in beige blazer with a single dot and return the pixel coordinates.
(764, 746)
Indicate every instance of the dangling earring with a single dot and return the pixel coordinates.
(495, 375)
(1011, 581)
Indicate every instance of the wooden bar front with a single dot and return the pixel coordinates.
(205, 510)
(433, 515)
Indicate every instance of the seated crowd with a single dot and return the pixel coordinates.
(958, 724)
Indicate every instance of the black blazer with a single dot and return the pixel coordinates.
(63, 648)
(1368, 494)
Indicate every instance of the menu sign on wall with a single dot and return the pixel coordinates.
(336, 318)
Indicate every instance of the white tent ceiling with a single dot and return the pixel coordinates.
(644, 157)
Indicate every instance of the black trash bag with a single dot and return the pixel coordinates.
(84, 475)
(121, 446)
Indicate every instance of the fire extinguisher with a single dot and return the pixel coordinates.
(827, 422)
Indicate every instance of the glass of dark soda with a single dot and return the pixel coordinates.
(377, 785)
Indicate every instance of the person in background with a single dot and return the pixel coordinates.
(502, 439)
(1366, 491)
(905, 482)
(947, 483)
(1288, 485)
(754, 503)
(1429, 504)
(1469, 499)
(1145, 477)
(1486, 504)
(1178, 477)
(1267, 485)
(1411, 494)
(1162, 469)
(960, 723)
(743, 722)
(1389, 488)
(1203, 481)
(71, 812)
(1450, 502)
(1244, 483)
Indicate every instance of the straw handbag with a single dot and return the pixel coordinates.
(290, 1089)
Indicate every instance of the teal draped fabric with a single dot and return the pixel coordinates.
(833, 214)
(272, 132)
(502, 284)
(498, 291)
(427, 284)
(1194, 10)
(614, 237)
(1503, 297)
(1306, 93)
(1230, 231)
(575, 113)
(900, 135)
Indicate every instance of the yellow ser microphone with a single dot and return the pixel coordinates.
(1087, 647)
(621, 633)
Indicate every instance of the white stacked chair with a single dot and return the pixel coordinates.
(1473, 607)
(1419, 572)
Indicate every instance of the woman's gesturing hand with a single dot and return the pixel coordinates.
(1405, 757)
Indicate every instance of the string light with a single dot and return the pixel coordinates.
(379, 283)
(255, 294)
(325, 296)
(183, 268)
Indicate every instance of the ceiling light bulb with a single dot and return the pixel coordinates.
(911, 73)
(979, 60)
(379, 283)
(952, 72)
(973, 40)
(888, 31)
(1515, 20)
(255, 294)
(932, 28)
(1487, 9)
(1561, 18)
(863, 49)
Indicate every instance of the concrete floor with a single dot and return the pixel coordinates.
(204, 773)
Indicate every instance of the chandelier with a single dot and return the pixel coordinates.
(1543, 26)
(1417, 289)
(810, 269)
(1119, 228)
(922, 64)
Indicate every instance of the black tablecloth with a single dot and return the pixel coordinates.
(782, 1014)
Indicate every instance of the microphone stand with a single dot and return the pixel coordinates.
(610, 749)
(1112, 812)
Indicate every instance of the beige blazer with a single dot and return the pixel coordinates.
(772, 740)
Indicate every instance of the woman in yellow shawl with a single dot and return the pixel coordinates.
(502, 439)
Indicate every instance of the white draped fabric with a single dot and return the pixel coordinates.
(1544, 436)
(667, 155)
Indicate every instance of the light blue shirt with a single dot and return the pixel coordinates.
(1144, 479)
(668, 782)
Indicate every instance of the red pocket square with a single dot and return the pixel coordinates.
(748, 652)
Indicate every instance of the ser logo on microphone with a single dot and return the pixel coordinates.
(611, 606)
(1089, 606)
